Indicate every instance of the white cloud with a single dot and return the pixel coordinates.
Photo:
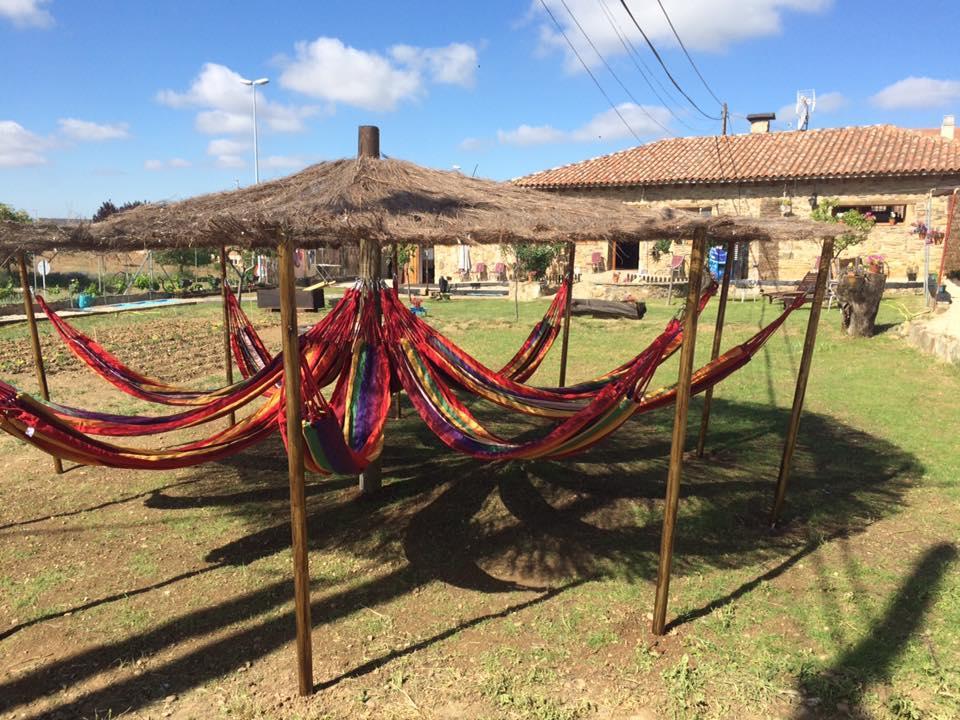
(84, 130)
(608, 125)
(285, 162)
(531, 135)
(918, 92)
(228, 153)
(26, 13)
(455, 64)
(172, 163)
(704, 25)
(19, 147)
(227, 107)
(830, 102)
(329, 70)
(472, 144)
(604, 126)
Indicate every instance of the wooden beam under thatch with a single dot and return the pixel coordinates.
(338, 202)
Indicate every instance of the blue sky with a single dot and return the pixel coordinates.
(142, 101)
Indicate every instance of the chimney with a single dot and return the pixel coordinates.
(948, 128)
(760, 122)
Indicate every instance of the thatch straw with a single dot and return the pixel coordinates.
(334, 203)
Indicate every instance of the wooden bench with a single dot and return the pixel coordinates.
(805, 287)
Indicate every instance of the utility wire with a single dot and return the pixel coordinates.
(635, 56)
(663, 64)
(615, 76)
(590, 73)
(684, 48)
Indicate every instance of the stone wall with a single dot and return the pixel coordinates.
(792, 260)
(951, 262)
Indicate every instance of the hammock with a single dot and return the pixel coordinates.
(138, 385)
(345, 435)
(33, 423)
(324, 359)
(40, 425)
(535, 348)
(249, 350)
(464, 371)
(251, 354)
(459, 429)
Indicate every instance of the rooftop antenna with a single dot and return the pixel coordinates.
(806, 104)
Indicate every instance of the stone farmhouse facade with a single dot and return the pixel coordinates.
(902, 176)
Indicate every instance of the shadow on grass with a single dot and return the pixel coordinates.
(870, 660)
(536, 529)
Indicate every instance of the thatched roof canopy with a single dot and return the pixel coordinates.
(338, 202)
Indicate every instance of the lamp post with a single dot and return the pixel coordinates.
(256, 159)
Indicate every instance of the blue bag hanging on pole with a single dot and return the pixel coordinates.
(716, 261)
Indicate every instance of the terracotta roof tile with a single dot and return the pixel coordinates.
(876, 150)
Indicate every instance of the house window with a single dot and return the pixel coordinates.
(885, 214)
(705, 211)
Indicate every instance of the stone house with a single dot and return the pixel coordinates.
(902, 176)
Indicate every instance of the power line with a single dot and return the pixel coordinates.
(663, 64)
(684, 48)
(615, 76)
(590, 73)
(634, 56)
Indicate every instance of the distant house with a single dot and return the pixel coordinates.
(897, 174)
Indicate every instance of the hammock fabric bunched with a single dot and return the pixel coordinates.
(248, 349)
(346, 434)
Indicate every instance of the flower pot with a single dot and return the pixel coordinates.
(83, 301)
(911, 276)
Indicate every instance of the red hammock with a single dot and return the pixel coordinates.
(109, 367)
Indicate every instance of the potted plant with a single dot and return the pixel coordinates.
(786, 206)
(875, 263)
(912, 271)
(85, 299)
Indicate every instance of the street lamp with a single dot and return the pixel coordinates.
(256, 159)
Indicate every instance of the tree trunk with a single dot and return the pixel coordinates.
(859, 297)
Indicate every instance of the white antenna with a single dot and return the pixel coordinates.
(806, 104)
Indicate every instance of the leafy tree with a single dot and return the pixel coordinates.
(533, 257)
(183, 257)
(108, 208)
(104, 211)
(859, 223)
(8, 213)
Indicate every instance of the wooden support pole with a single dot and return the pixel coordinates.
(810, 341)
(298, 502)
(565, 343)
(715, 351)
(35, 341)
(396, 292)
(227, 354)
(368, 145)
(672, 500)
